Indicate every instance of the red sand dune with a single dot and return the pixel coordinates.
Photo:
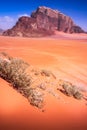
(67, 60)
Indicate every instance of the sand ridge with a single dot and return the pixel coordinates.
(67, 60)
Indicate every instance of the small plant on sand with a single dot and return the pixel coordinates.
(67, 89)
(78, 95)
(14, 71)
(71, 90)
(46, 73)
(36, 97)
(5, 55)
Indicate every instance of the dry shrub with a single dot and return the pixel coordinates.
(68, 90)
(36, 97)
(42, 86)
(46, 73)
(5, 55)
(78, 95)
(71, 90)
(14, 71)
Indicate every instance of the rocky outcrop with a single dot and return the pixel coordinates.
(76, 29)
(23, 27)
(27, 27)
(44, 21)
(52, 19)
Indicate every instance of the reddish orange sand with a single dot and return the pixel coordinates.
(67, 59)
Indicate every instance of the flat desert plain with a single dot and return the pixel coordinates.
(67, 59)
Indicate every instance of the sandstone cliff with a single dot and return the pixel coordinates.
(44, 21)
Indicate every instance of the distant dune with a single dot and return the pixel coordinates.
(74, 36)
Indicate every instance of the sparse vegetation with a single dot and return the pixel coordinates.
(46, 73)
(5, 55)
(71, 90)
(42, 86)
(78, 95)
(36, 97)
(13, 70)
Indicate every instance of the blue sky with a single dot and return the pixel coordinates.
(11, 10)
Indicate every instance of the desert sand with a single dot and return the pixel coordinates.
(66, 58)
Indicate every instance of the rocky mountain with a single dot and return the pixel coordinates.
(27, 27)
(44, 21)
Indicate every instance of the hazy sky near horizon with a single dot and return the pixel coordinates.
(11, 10)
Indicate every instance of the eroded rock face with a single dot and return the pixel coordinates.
(76, 29)
(52, 19)
(46, 18)
(44, 21)
(27, 27)
(64, 23)
(23, 27)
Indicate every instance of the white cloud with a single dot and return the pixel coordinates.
(7, 22)
(8, 19)
(20, 15)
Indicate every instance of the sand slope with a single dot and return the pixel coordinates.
(67, 60)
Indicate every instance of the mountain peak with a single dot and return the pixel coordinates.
(44, 21)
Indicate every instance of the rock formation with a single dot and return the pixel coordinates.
(44, 21)
(76, 29)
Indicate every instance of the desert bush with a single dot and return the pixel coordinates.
(46, 73)
(5, 56)
(42, 86)
(14, 71)
(68, 90)
(78, 95)
(36, 97)
(71, 90)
